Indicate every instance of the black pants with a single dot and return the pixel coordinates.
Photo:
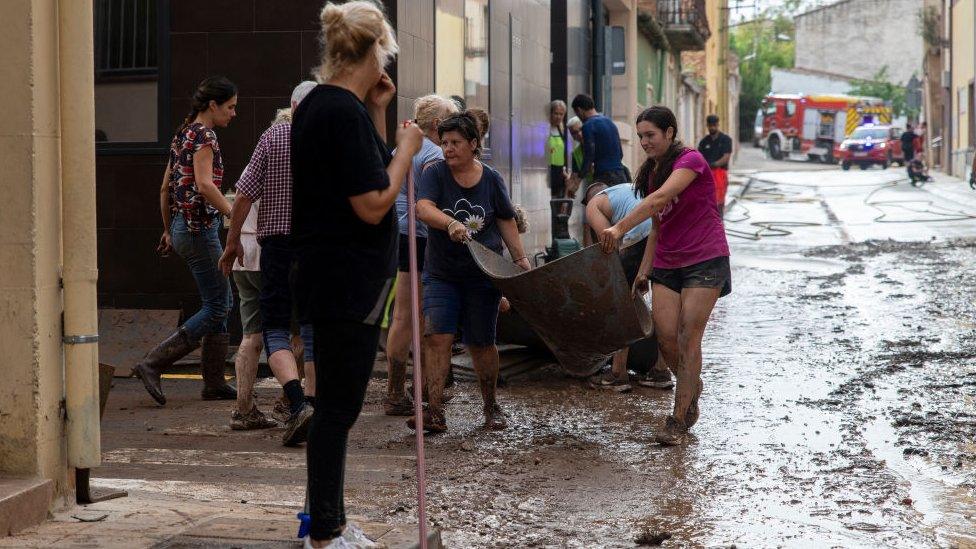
(277, 263)
(557, 185)
(344, 355)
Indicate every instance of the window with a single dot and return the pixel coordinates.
(449, 40)
(128, 51)
(790, 108)
(771, 109)
(462, 26)
(476, 53)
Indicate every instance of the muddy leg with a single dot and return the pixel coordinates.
(619, 366)
(309, 369)
(398, 350)
(436, 365)
(667, 315)
(696, 307)
(246, 370)
(485, 360)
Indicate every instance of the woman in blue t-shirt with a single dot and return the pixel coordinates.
(461, 199)
(428, 111)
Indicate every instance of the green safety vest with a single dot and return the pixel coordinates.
(557, 148)
(578, 158)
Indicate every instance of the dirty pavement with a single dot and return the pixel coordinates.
(839, 407)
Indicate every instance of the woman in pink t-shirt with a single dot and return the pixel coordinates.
(686, 259)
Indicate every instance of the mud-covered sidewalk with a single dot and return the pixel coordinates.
(839, 408)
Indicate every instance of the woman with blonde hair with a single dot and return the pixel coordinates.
(344, 228)
(428, 112)
(556, 149)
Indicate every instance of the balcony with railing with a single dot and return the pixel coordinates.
(685, 23)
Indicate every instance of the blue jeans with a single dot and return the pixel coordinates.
(201, 251)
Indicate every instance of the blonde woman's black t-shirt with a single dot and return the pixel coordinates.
(345, 265)
(476, 208)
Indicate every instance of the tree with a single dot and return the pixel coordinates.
(881, 86)
(761, 44)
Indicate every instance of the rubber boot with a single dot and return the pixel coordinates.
(213, 359)
(150, 368)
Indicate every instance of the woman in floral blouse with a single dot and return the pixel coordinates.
(191, 204)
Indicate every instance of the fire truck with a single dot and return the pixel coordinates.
(816, 125)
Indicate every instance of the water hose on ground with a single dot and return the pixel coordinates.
(771, 192)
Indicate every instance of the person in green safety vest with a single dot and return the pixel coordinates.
(556, 149)
(575, 126)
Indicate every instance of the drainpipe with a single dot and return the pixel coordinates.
(599, 53)
(78, 237)
(947, 95)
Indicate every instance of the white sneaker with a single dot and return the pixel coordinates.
(355, 535)
(336, 543)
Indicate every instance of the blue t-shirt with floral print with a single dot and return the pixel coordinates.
(477, 208)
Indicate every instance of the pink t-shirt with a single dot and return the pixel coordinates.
(691, 230)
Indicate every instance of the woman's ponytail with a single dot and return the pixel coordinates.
(213, 88)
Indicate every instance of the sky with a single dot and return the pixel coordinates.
(743, 10)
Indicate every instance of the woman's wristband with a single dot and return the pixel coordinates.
(448, 229)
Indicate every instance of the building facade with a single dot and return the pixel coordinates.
(151, 54)
(856, 38)
(48, 336)
(961, 100)
(685, 64)
(808, 81)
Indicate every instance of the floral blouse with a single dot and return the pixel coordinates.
(184, 198)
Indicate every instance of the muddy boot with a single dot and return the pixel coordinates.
(495, 419)
(434, 422)
(213, 360)
(296, 428)
(673, 433)
(150, 369)
(401, 406)
(397, 403)
(251, 420)
(282, 409)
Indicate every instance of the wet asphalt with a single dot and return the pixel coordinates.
(839, 405)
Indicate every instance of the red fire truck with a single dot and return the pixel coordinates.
(816, 125)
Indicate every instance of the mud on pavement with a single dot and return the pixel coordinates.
(838, 411)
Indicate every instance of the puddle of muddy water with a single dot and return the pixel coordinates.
(945, 504)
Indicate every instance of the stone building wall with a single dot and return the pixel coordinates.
(855, 38)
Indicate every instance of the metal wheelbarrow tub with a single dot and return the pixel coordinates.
(580, 305)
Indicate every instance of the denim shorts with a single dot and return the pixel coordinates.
(711, 273)
(471, 305)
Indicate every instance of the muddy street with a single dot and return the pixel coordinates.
(839, 405)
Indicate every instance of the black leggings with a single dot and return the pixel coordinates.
(344, 355)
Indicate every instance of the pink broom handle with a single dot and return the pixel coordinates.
(418, 379)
